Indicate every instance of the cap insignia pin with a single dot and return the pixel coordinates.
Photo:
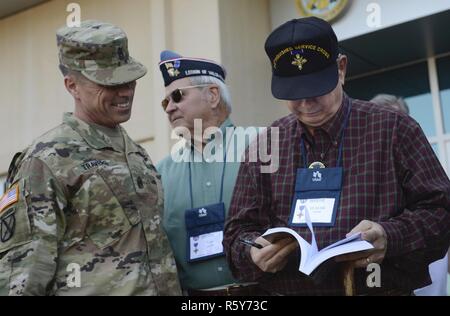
(299, 61)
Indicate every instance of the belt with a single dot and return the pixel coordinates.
(232, 290)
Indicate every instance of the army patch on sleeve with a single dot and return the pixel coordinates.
(7, 227)
(11, 197)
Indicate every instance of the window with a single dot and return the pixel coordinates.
(443, 69)
(410, 82)
(413, 83)
(443, 66)
(436, 149)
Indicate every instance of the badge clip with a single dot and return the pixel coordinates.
(317, 165)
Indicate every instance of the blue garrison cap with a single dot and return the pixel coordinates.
(174, 66)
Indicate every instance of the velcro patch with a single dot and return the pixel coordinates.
(9, 198)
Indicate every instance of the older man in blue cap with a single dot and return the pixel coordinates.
(199, 185)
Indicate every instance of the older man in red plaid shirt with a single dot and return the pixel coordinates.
(386, 181)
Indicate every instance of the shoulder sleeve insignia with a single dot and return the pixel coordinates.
(7, 227)
(9, 198)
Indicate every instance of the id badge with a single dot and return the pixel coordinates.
(322, 209)
(205, 246)
(318, 190)
(204, 227)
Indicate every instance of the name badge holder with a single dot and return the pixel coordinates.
(204, 225)
(204, 228)
(318, 189)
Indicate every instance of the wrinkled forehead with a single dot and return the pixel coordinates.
(180, 83)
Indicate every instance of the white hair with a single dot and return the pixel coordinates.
(395, 102)
(225, 97)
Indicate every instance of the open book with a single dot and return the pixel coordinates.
(311, 257)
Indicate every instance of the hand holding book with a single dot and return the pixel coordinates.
(311, 257)
(272, 257)
(376, 235)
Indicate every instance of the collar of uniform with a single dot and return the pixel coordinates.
(334, 126)
(223, 128)
(94, 137)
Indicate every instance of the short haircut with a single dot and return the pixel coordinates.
(69, 72)
(225, 97)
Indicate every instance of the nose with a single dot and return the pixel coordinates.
(171, 106)
(127, 90)
(305, 102)
(299, 103)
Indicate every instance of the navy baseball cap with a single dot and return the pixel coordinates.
(303, 53)
(173, 67)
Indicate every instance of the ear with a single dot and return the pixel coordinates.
(72, 85)
(342, 68)
(214, 96)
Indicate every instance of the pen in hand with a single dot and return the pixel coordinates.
(250, 243)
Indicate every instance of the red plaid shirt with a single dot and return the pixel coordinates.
(391, 176)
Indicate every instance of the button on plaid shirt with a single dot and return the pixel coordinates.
(391, 176)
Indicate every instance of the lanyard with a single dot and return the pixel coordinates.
(221, 180)
(341, 145)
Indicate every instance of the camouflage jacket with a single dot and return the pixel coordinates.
(84, 218)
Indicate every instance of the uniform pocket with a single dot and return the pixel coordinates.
(97, 206)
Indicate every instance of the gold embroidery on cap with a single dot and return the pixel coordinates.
(299, 61)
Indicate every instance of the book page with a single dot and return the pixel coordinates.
(324, 255)
(350, 244)
(311, 257)
(314, 248)
(343, 241)
(307, 250)
(275, 234)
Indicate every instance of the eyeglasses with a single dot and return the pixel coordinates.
(177, 95)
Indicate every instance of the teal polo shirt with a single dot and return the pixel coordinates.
(206, 182)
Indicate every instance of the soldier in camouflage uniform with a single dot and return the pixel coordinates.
(84, 194)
